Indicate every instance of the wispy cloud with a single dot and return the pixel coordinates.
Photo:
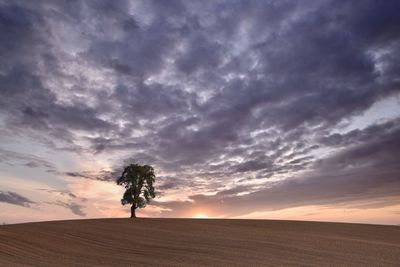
(75, 208)
(15, 199)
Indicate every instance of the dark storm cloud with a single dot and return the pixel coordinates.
(27, 62)
(215, 94)
(14, 198)
(368, 134)
(362, 172)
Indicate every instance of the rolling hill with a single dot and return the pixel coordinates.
(191, 242)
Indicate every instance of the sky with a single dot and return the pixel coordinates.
(246, 109)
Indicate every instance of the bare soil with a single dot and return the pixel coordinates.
(191, 242)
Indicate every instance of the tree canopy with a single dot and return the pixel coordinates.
(138, 181)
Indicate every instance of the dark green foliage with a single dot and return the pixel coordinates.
(138, 181)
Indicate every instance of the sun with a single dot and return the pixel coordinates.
(200, 216)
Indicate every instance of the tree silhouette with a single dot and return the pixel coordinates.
(138, 181)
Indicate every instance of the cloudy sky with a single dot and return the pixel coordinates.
(246, 109)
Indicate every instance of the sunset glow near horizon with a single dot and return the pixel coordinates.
(200, 216)
(246, 109)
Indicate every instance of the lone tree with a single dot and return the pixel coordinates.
(138, 181)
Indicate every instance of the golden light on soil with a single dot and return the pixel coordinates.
(200, 216)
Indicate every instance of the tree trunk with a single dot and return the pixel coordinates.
(133, 211)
